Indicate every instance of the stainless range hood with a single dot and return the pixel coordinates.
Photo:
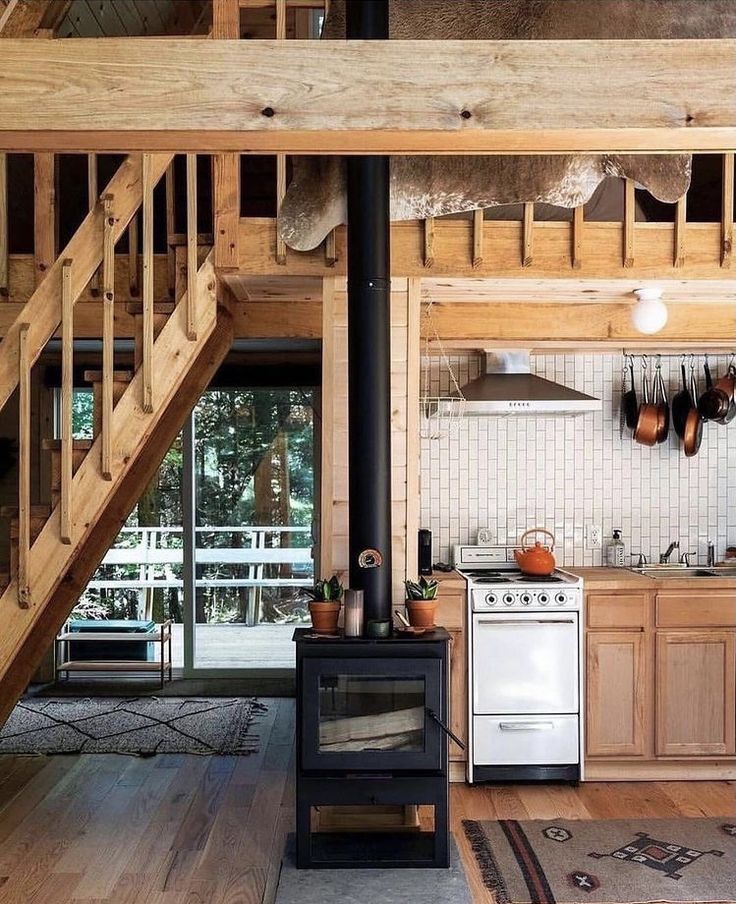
(508, 388)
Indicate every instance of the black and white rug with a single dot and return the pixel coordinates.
(140, 726)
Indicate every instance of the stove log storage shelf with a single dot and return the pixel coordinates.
(371, 730)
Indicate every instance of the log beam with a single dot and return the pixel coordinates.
(372, 97)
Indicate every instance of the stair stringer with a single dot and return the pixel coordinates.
(59, 572)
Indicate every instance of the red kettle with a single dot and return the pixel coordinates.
(538, 559)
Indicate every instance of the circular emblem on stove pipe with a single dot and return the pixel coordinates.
(370, 558)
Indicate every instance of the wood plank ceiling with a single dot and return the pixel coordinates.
(141, 18)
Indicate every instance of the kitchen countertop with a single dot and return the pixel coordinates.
(604, 578)
(449, 581)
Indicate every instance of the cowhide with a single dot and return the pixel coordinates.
(432, 186)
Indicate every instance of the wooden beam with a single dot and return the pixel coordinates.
(108, 334)
(727, 211)
(371, 97)
(225, 19)
(24, 466)
(42, 311)
(67, 402)
(4, 249)
(191, 244)
(133, 258)
(28, 18)
(330, 249)
(45, 220)
(280, 158)
(148, 299)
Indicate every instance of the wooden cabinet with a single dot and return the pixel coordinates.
(696, 692)
(451, 614)
(618, 700)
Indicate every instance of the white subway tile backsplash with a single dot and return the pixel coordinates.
(563, 473)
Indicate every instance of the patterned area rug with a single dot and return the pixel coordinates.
(141, 726)
(625, 861)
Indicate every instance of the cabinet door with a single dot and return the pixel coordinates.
(696, 696)
(618, 694)
(458, 693)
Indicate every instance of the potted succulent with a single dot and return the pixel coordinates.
(421, 602)
(324, 604)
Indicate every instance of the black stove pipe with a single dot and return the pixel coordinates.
(369, 354)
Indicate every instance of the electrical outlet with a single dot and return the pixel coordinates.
(593, 536)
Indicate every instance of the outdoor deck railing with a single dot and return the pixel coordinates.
(159, 563)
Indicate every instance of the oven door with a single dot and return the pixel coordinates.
(365, 715)
(525, 662)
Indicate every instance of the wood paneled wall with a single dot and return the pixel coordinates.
(405, 310)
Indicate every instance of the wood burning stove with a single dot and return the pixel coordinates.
(371, 730)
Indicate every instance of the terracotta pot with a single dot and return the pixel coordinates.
(421, 613)
(325, 614)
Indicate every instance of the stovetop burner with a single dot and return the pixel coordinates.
(511, 576)
(543, 579)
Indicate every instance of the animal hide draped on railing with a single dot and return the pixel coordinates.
(428, 186)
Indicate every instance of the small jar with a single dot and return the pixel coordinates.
(353, 613)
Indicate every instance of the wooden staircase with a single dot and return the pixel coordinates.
(138, 413)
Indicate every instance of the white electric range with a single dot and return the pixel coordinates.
(525, 637)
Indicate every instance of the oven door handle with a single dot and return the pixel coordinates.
(526, 621)
(450, 734)
(526, 726)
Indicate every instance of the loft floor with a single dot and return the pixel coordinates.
(105, 829)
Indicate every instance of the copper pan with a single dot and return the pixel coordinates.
(693, 433)
(647, 421)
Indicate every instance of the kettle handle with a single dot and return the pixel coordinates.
(537, 530)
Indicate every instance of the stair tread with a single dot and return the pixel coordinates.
(119, 376)
(53, 445)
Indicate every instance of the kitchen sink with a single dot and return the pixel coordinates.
(685, 571)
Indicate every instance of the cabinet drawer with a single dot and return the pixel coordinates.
(693, 609)
(525, 740)
(617, 610)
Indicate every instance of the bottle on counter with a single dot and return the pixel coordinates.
(616, 551)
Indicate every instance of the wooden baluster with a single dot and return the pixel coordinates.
(147, 284)
(629, 222)
(92, 195)
(108, 334)
(578, 224)
(67, 394)
(280, 158)
(24, 467)
(678, 251)
(4, 281)
(331, 249)
(478, 223)
(45, 213)
(727, 212)
(429, 242)
(527, 240)
(191, 244)
(170, 230)
(133, 262)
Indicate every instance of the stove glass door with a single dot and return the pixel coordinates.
(370, 714)
(525, 662)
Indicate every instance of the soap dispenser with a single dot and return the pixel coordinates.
(616, 550)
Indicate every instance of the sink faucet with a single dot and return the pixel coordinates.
(664, 557)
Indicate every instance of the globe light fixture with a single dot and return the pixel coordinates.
(649, 313)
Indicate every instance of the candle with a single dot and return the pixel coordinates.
(353, 613)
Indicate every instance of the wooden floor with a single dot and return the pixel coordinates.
(104, 829)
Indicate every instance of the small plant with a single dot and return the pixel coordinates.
(325, 591)
(421, 590)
